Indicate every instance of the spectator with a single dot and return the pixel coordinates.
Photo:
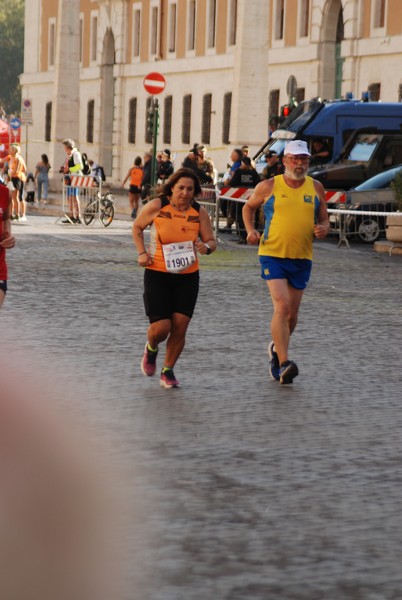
(30, 189)
(246, 152)
(244, 177)
(273, 125)
(165, 168)
(136, 174)
(42, 178)
(17, 175)
(96, 170)
(205, 166)
(191, 160)
(274, 165)
(72, 166)
(227, 206)
(146, 183)
(320, 153)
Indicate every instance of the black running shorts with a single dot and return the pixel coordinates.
(168, 293)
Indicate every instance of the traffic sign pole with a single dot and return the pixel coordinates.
(154, 83)
(154, 140)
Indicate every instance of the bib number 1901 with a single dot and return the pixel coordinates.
(178, 256)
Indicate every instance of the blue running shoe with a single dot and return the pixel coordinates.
(273, 362)
(288, 371)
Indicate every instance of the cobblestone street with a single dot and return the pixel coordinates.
(247, 490)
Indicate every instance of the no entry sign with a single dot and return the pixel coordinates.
(154, 83)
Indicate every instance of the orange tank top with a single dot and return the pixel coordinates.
(136, 176)
(173, 226)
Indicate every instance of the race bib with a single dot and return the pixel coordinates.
(178, 256)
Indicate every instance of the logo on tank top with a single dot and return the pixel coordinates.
(308, 199)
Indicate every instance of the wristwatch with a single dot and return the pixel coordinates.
(209, 249)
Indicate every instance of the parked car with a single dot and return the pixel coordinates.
(366, 153)
(375, 194)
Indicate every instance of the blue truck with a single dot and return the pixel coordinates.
(333, 122)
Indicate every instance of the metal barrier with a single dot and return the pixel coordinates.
(78, 192)
(209, 200)
(366, 225)
(230, 204)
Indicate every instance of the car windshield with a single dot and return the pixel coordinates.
(363, 148)
(380, 181)
(301, 114)
(278, 146)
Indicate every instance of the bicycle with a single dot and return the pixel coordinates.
(102, 205)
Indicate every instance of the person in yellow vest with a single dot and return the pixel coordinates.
(73, 165)
(295, 211)
(180, 230)
(135, 174)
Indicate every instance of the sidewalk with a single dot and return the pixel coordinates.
(245, 489)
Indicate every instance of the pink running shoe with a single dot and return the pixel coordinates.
(168, 380)
(148, 363)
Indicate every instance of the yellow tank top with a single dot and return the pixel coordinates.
(289, 220)
(171, 226)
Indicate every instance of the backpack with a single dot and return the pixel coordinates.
(86, 169)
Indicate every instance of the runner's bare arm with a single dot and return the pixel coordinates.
(321, 228)
(145, 218)
(261, 191)
(206, 234)
(8, 240)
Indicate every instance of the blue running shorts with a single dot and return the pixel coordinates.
(295, 270)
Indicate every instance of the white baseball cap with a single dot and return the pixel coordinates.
(296, 147)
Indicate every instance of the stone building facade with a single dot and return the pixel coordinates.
(226, 65)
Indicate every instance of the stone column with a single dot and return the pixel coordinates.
(65, 103)
(249, 122)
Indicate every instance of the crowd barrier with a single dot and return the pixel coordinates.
(364, 225)
(346, 223)
(83, 189)
(209, 199)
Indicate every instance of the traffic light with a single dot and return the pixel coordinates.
(150, 120)
(286, 109)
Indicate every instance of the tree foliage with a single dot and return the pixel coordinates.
(11, 53)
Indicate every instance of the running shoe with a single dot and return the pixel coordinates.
(148, 363)
(23, 219)
(288, 371)
(274, 365)
(168, 380)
